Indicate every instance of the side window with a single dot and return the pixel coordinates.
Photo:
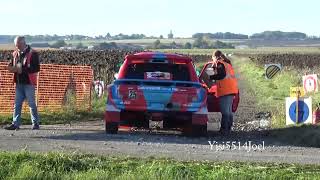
(205, 76)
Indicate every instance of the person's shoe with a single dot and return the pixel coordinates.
(35, 127)
(224, 132)
(11, 127)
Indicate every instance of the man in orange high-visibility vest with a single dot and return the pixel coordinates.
(25, 66)
(227, 88)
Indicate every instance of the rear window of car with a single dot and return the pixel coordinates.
(163, 71)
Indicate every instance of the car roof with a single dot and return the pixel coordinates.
(159, 55)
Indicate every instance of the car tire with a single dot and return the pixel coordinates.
(195, 130)
(199, 130)
(111, 127)
(169, 123)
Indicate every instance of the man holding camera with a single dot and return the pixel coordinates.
(25, 65)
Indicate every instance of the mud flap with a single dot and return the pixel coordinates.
(198, 125)
(112, 116)
(199, 119)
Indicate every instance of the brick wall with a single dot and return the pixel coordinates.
(59, 87)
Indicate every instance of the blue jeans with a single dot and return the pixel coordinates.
(24, 91)
(225, 103)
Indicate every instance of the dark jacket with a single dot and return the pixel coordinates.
(23, 78)
(221, 72)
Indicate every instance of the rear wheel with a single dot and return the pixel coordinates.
(111, 127)
(169, 123)
(199, 130)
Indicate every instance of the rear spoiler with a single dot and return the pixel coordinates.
(158, 59)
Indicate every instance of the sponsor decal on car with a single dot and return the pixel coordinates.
(157, 75)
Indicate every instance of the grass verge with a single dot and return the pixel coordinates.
(25, 165)
(270, 96)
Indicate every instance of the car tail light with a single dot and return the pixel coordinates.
(137, 61)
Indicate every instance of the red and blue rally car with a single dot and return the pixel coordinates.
(158, 87)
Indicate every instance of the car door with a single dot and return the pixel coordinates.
(211, 86)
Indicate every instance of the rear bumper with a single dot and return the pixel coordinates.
(192, 117)
(158, 106)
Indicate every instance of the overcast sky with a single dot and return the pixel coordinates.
(155, 17)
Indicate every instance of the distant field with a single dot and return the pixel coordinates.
(149, 41)
(7, 46)
(265, 50)
(303, 49)
(11, 47)
(144, 42)
(131, 41)
(236, 42)
(243, 46)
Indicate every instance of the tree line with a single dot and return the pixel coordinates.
(266, 35)
(220, 35)
(199, 43)
(279, 35)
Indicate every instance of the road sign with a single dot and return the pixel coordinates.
(296, 91)
(99, 88)
(304, 114)
(310, 83)
(272, 70)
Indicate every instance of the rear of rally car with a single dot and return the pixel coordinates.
(157, 87)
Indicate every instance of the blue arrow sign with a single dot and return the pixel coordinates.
(303, 112)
